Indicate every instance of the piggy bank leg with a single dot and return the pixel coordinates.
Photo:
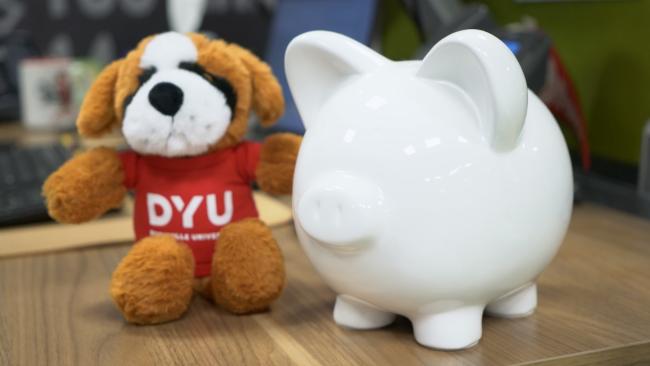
(451, 330)
(357, 314)
(518, 304)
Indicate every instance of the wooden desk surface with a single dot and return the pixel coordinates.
(594, 306)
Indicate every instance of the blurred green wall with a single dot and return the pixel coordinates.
(605, 46)
(400, 37)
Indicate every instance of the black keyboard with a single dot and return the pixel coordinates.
(22, 173)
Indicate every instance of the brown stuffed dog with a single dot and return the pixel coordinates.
(183, 103)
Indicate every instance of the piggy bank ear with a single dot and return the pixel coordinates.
(483, 66)
(318, 62)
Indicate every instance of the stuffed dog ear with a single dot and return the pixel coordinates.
(97, 114)
(268, 101)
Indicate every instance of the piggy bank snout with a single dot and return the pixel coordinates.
(341, 210)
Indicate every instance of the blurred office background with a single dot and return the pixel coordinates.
(587, 59)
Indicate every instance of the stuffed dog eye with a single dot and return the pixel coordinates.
(218, 82)
(146, 74)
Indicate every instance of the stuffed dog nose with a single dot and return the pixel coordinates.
(167, 98)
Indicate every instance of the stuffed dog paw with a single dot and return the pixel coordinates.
(183, 102)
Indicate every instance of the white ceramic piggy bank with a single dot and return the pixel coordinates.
(434, 189)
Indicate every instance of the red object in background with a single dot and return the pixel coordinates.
(561, 97)
(64, 92)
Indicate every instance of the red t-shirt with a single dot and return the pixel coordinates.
(192, 198)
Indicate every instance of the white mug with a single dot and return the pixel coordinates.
(46, 100)
(51, 91)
